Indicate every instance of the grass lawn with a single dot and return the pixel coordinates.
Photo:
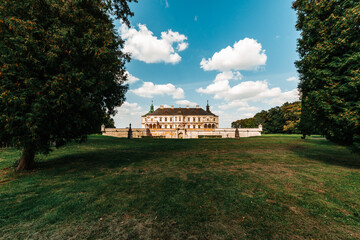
(269, 187)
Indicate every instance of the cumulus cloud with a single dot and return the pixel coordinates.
(247, 115)
(237, 96)
(149, 89)
(292, 79)
(240, 105)
(129, 109)
(186, 103)
(229, 75)
(289, 96)
(182, 46)
(246, 54)
(144, 46)
(246, 91)
(130, 78)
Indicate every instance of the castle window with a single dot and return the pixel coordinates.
(170, 126)
(188, 119)
(160, 119)
(198, 119)
(194, 119)
(170, 119)
(188, 126)
(165, 119)
(151, 119)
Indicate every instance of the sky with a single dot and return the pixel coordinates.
(237, 54)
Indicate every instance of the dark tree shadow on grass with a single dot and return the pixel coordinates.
(117, 154)
(326, 152)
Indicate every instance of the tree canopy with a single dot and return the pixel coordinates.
(283, 119)
(61, 70)
(329, 50)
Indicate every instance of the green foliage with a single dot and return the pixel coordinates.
(245, 123)
(61, 69)
(276, 121)
(284, 119)
(291, 115)
(329, 50)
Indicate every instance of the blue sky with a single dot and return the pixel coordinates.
(237, 54)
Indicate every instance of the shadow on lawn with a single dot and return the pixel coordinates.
(326, 152)
(118, 155)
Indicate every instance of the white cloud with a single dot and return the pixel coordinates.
(149, 89)
(130, 78)
(239, 95)
(182, 46)
(228, 76)
(246, 54)
(292, 79)
(240, 105)
(249, 90)
(246, 115)
(234, 104)
(142, 45)
(195, 19)
(186, 103)
(167, 4)
(289, 96)
(129, 109)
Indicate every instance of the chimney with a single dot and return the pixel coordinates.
(197, 106)
(187, 106)
(161, 106)
(172, 106)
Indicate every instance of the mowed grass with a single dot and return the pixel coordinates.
(269, 187)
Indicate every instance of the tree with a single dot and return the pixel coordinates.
(276, 122)
(329, 69)
(59, 71)
(245, 123)
(291, 113)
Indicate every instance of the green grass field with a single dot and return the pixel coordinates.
(269, 187)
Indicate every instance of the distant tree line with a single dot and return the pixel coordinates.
(283, 119)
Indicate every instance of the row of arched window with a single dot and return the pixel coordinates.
(174, 126)
(189, 119)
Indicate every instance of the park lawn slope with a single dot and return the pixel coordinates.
(274, 186)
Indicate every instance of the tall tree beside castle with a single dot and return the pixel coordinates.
(329, 69)
(61, 69)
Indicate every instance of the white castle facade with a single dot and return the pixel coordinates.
(176, 118)
(181, 123)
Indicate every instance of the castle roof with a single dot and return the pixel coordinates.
(179, 111)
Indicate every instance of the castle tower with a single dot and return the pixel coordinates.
(152, 107)
(207, 107)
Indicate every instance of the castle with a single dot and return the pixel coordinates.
(181, 123)
(180, 118)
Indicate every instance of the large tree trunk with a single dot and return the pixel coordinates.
(27, 159)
